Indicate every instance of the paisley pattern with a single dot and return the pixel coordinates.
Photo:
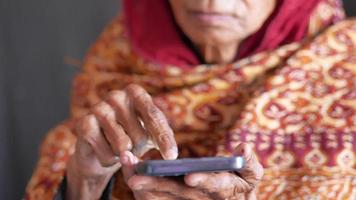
(295, 105)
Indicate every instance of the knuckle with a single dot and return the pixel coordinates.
(243, 187)
(156, 127)
(121, 142)
(144, 99)
(133, 88)
(120, 105)
(103, 111)
(91, 140)
(137, 92)
(116, 98)
(85, 125)
(154, 112)
(164, 139)
(116, 94)
(156, 115)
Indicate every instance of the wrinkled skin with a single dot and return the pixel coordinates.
(112, 137)
(127, 124)
(112, 128)
(202, 186)
(218, 27)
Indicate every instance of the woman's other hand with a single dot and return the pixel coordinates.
(127, 120)
(202, 186)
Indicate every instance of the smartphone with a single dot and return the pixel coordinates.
(185, 166)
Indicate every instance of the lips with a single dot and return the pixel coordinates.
(211, 18)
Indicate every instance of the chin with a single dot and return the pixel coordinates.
(215, 36)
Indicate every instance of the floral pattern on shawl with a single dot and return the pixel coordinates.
(295, 105)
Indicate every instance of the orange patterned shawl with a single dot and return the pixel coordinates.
(296, 106)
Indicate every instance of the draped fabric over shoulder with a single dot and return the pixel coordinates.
(293, 99)
(288, 23)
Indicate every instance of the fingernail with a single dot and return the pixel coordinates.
(117, 158)
(172, 154)
(124, 159)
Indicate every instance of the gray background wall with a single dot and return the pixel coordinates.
(35, 37)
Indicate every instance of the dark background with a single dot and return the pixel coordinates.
(35, 38)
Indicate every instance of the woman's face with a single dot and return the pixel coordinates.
(219, 22)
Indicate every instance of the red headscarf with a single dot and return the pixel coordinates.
(155, 35)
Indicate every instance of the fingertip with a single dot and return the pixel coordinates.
(171, 154)
(127, 158)
(243, 149)
(188, 180)
(124, 158)
(195, 179)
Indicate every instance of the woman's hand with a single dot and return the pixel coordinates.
(202, 186)
(127, 120)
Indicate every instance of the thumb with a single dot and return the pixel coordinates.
(128, 161)
(252, 172)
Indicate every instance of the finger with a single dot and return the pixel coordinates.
(154, 121)
(149, 183)
(165, 185)
(129, 159)
(146, 195)
(252, 172)
(222, 185)
(89, 133)
(251, 195)
(127, 170)
(227, 185)
(127, 117)
(113, 132)
(210, 181)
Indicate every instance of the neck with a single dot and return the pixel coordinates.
(219, 54)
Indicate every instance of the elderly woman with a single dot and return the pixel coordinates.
(273, 81)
